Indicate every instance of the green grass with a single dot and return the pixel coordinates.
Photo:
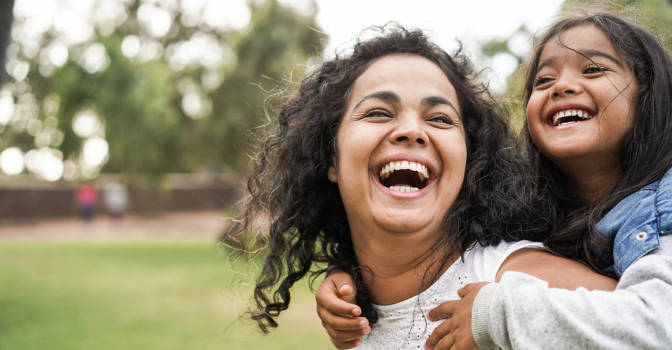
(141, 295)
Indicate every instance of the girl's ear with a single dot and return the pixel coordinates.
(332, 174)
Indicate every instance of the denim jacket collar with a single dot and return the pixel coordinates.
(636, 223)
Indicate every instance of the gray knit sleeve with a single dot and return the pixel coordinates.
(480, 315)
(523, 313)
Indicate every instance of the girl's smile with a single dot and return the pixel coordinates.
(401, 147)
(580, 105)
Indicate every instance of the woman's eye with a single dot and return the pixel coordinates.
(440, 118)
(542, 80)
(378, 113)
(594, 68)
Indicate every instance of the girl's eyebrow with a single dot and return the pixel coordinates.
(587, 53)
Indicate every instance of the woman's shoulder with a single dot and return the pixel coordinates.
(485, 261)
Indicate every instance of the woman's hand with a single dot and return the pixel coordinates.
(338, 311)
(455, 332)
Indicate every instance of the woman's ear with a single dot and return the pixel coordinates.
(332, 174)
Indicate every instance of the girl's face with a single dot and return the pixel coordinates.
(580, 105)
(402, 149)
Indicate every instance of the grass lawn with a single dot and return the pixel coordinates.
(136, 295)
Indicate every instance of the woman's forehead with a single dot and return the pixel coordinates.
(407, 76)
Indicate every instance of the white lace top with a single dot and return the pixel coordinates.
(404, 325)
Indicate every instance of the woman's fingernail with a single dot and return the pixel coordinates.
(362, 323)
(367, 330)
(358, 342)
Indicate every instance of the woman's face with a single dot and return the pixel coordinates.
(401, 147)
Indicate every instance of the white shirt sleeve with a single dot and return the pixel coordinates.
(487, 261)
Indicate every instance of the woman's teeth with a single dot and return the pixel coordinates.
(571, 116)
(404, 188)
(388, 169)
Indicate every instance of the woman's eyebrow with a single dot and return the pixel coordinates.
(431, 101)
(385, 96)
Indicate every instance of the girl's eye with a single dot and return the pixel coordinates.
(441, 118)
(542, 80)
(594, 68)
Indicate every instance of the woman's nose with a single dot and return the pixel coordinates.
(409, 131)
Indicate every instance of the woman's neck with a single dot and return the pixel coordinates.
(399, 263)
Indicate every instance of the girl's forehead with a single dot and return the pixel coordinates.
(578, 40)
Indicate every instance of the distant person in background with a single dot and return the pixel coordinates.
(87, 195)
(116, 199)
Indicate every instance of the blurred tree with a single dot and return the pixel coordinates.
(266, 57)
(6, 17)
(157, 87)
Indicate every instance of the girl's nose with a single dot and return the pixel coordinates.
(566, 85)
(409, 131)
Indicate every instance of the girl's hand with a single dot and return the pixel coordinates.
(338, 311)
(455, 332)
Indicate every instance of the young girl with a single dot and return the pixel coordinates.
(599, 130)
(390, 163)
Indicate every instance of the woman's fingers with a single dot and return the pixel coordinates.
(444, 310)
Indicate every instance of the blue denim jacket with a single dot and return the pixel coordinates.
(638, 221)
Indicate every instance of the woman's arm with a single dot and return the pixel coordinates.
(522, 312)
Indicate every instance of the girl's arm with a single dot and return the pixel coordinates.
(522, 312)
(556, 271)
(337, 309)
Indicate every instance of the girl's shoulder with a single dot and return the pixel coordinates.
(636, 223)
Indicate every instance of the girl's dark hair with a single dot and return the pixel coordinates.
(289, 185)
(645, 150)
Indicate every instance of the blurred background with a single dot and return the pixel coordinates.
(126, 128)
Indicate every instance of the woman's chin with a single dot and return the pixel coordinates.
(405, 222)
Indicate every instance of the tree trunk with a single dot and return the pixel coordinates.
(6, 17)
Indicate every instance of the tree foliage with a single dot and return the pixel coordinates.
(158, 114)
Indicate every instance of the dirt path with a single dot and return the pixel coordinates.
(170, 225)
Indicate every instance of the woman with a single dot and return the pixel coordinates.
(392, 164)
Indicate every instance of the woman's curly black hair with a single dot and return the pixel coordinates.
(645, 152)
(308, 224)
